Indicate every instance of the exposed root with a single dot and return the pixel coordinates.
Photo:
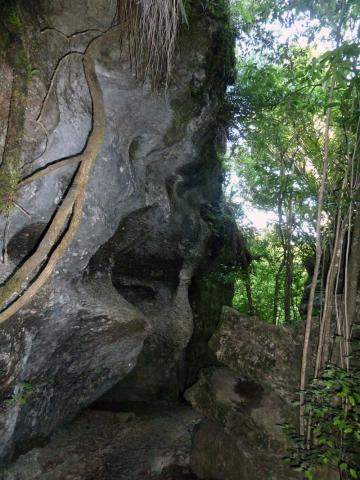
(59, 163)
(50, 167)
(52, 80)
(15, 284)
(72, 207)
(56, 30)
(66, 161)
(73, 35)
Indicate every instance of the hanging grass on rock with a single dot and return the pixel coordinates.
(151, 27)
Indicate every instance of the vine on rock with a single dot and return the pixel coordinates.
(32, 275)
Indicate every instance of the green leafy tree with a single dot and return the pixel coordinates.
(297, 154)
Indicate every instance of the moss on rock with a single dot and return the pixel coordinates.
(15, 46)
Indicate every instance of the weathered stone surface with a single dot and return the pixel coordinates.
(126, 275)
(218, 455)
(146, 443)
(265, 353)
(65, 369)
(212, 287)
(246, 402)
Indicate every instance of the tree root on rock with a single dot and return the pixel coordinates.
(50, 167)
(21, 287)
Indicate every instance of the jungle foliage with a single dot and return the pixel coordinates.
(295, 151)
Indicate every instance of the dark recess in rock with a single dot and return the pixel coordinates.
(24, 242)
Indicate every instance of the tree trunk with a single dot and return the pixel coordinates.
(289, 257)
(353, 279)
(247, 283)
(317, 262)
(277, 291)
(325, 328)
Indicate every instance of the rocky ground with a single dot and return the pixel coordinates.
(231, 431)
(115, 442)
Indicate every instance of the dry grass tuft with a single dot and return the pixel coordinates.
(151, 27)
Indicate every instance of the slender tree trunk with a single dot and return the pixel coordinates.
(353, 270)
(317, 262)
(325, 328)
(330, 292)
(352, 263)
(277, 291)
(288, 265)
(352, 280)
(247, 283)
(288, 285)
(282, 239)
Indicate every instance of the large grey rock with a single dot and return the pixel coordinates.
(267, 354)
(86, 340)
(124, 279)
(246, 401)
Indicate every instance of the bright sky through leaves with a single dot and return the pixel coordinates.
(296, 33)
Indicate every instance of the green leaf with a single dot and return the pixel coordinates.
(353, 473)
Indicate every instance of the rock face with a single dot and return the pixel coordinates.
(119, 295)
(151, 444)
(245, 401)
